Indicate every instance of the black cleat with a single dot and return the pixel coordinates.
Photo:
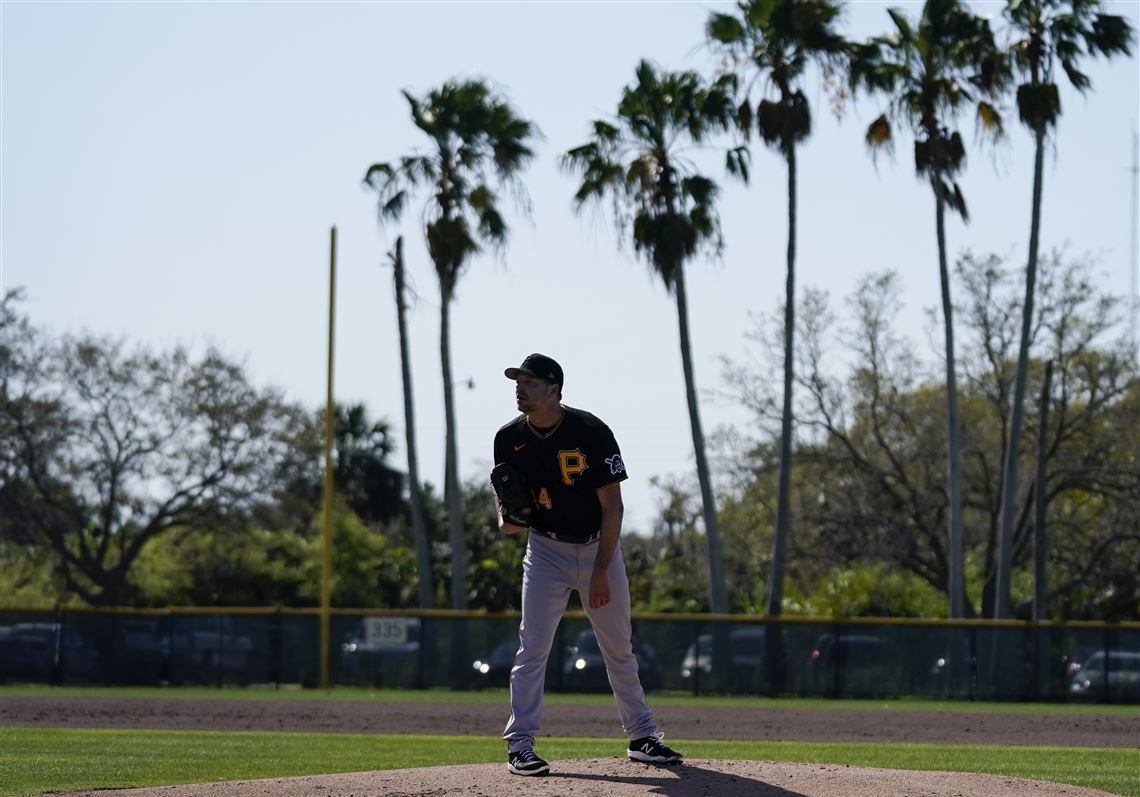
(652, 750)
(525, 762)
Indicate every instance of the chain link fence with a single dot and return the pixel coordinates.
(697, 654)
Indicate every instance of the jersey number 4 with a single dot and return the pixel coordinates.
(544, 499)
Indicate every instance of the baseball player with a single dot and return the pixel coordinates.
(558, 474)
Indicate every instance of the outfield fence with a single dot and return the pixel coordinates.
(694, 653)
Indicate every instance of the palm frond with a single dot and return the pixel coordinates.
(1110, 35)
(492, 227)
(394, 207)
(379, 174)
(737, 162)
(959, 203)
(418, 169)
(989, 120)
(724, 28)
(878, 137)
(604, 131)
(700, 189)
(902, 24)
(744, 119)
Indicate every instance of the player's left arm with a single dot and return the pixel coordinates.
(612, 512)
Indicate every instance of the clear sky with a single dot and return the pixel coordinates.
(170, 172)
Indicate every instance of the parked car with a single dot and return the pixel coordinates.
(746, 647)
(209, 650)
(958, 660)
(1123, 675)
(494, 669)
(1072, 663)
(382, 651)
(859, 664)
(141, 653)
(584, 669)
(46, 652)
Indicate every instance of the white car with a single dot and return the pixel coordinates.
(1123, 674)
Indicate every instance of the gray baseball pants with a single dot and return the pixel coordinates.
(551, 569)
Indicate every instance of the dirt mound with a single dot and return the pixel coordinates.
(613, 777)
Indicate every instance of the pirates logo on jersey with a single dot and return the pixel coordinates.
(572, 463)
(616, 465)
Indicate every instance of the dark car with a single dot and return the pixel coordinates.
(954, 669)
(141, 652)
(857, 664)
(382, 651)
(494, 669)
(852, 650)
(746, 648)
(208, 650)
(584, 669)
(46, 652)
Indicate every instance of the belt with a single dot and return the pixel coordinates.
(577, 540)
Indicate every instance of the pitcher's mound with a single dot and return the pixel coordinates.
(613, 777)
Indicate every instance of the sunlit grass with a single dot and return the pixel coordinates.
(34, 760)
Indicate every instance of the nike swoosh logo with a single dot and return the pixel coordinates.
(520, 447)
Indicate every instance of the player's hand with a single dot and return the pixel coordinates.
(599, 589)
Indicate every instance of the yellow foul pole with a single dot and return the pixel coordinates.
(326, 548)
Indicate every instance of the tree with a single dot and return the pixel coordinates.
(1046, 32)
(477, 139)
(868, 476)
(639, 161)
(777, 39)
(419, 522)
(361, 473)
(107, 450)
(929, 72)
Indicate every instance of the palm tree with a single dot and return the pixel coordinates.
(1046, 33)
(477, 139)
(777, 39)
(929, 73)
(639, 160)
(419, 522)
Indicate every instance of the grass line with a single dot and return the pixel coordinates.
(499, 696)
(34, 760)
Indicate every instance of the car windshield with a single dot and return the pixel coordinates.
(588, 643)
(1120, 661)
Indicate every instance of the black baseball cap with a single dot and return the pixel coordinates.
(537, 365)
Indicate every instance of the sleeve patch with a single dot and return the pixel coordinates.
(616, 465)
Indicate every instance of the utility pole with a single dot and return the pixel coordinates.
(326, 525)
(1134, 315)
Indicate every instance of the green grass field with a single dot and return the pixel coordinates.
(34, 760)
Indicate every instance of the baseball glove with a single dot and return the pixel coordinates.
(516, 504)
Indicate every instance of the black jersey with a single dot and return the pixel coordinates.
(564, 468)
